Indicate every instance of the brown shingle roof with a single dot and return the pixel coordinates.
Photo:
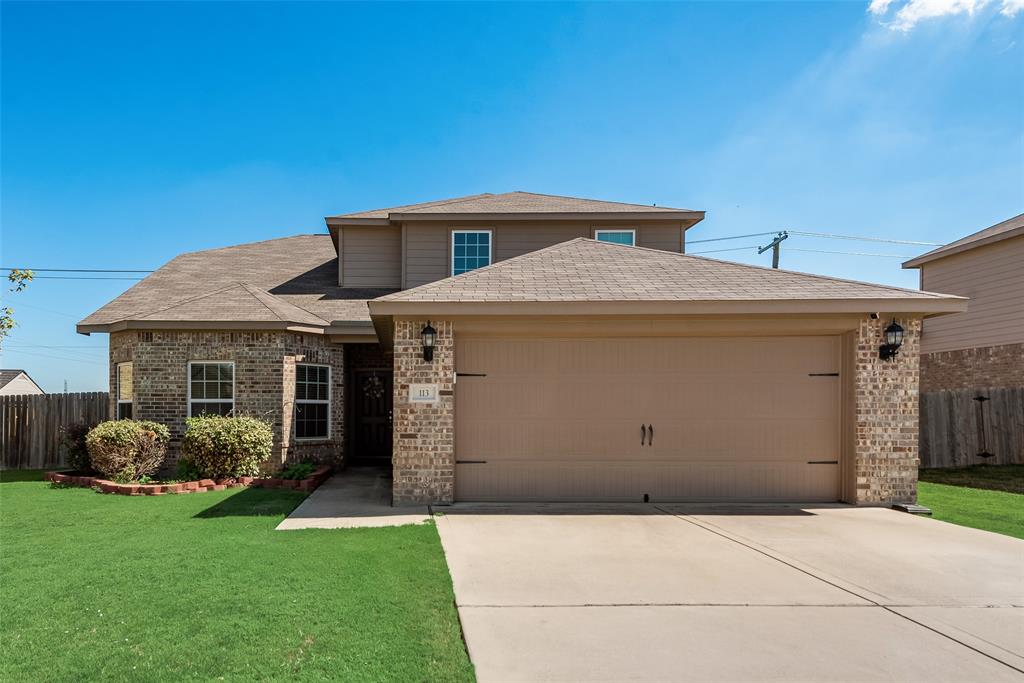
(1012, 227)
(292, 279)
(585, 270)
(512, 203)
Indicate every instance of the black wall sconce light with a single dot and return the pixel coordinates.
(429, 335)
(893, 341)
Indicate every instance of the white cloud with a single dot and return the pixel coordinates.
(912, 12)
(1010, 8)
(879, 6)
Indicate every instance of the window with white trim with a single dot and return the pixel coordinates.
(471, 249)
(211, 388)
(312, 401)
(124, 391)
(627, 237)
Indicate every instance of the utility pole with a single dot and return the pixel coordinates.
(774, 246)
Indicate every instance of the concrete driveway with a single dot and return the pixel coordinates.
(676, 593)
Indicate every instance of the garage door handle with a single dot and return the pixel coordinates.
(643, 434)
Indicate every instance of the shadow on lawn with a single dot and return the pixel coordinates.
(253, 502)
(17, 476)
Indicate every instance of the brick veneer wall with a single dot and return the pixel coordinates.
(424, 434)
(885, 414)
(264, 381)
(987, 366)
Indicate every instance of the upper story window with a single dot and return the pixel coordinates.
(312, 401)
(471, 249)
(211, 388)
(627, 237)
(124, 391)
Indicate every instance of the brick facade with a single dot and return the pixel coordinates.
(978, 368)
(264, 381)
(885, 415)
(424, 433)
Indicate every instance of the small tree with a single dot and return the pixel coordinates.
(19, 279)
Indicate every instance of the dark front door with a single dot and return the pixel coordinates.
(372, 401)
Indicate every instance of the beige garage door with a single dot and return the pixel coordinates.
(734, 419)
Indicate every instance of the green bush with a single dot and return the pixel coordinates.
(72, 437)
(221, 447)
(299, 470)
(127, 449)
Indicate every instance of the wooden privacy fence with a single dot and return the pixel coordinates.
(30, 426)
(956, 427)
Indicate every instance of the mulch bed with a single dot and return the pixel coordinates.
(309, 484)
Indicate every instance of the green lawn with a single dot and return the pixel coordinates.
(998, 511)
(201, 587)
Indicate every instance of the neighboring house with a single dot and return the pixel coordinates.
(984, 346)
(15, 382)
(577, 354)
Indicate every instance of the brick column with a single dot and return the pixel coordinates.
(424, 433)
(886, 414)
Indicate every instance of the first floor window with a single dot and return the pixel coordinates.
(124, 391)
(627, 237)
(312, 401)
(471, 249)
(211, 388)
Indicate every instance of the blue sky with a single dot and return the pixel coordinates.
(134, 132)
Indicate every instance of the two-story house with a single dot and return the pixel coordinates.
(523, 346)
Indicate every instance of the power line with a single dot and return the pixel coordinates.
(65, 277)
(78, 270)
(734, 237)
(819, 234)
(848, 253)
(715, 251)
(43, 355)
(49, 310)
(864, 239)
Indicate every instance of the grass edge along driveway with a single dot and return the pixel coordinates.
(200, 586)
(988, 497)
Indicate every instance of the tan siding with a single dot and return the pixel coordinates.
(371, 257)
(993, 278)
(428, 246)
(426, 253)
(664, 237)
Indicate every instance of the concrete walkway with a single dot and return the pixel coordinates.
(679, 593)
(356, 497)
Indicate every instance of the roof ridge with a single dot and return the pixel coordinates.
(255, 292)
(246, 244)
(436, 202)
(777, 270)
(486, 268)
(187, 300)
(258, 293)
(591, 199)
(591, 243)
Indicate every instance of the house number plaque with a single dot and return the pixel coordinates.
(422, 393)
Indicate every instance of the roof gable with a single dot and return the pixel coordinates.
(585, 270)
(1011, 227)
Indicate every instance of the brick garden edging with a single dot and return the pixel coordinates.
(309, 484)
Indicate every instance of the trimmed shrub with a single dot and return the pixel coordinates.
(299, 470)
(220, 447)
(72, 438)
(127, 449)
